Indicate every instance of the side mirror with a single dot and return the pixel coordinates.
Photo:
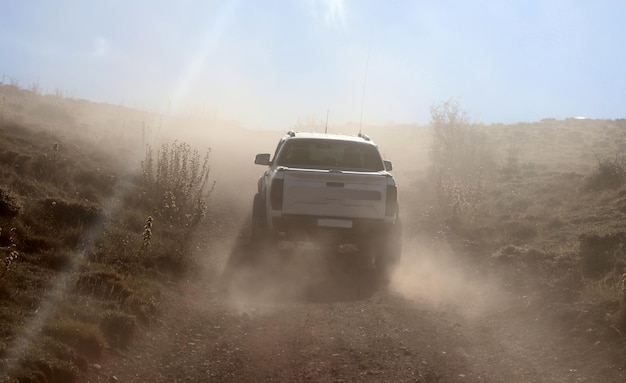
(262, 159)
(388, 165)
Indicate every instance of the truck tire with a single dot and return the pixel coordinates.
(258, 230)
(388, 251)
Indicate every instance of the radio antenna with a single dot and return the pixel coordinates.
(326, 129)
(367, 63)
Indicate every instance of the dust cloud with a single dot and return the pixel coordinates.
(427, 273)
(297, 272)
(430, 273)
(320, 273)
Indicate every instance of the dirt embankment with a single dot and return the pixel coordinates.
(314, 316)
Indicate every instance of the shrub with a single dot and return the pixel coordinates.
(95, 184)
(177, 182)
(601, 253)
(520, 231)
(57, 260)
(103, 284)
(9, 253)
(512, 163)
(9, 206)
(459, 197)
(86, 339)
(45, 369)
(609, 174)
(118, 327)
(176, 186)
(51, 167)
(71, 214)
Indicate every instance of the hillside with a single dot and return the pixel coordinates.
(86, 232)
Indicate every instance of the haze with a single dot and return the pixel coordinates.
(272, 64)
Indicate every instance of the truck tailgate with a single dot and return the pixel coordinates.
(334, 194)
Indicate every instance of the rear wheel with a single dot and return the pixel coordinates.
(263, 241)
(259, 229)
(388, 251)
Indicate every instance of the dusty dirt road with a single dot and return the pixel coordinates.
(318, 317)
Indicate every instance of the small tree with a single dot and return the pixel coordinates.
(459, 155)
(450, 125)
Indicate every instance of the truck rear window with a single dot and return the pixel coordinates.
(330, 154)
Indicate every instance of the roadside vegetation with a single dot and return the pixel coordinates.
(89, 233)
(543, 203)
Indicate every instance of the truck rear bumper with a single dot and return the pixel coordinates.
(348, 230)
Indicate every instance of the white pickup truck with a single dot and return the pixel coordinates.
(329, 186)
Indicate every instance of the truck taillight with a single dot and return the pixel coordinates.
(276, 195)
(392, 200)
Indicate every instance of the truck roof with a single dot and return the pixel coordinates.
(329, 136)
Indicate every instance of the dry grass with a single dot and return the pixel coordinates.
(72, 238)
(558, 193)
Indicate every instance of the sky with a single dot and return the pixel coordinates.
(271, 64)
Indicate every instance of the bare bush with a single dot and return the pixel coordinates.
(459, 155)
